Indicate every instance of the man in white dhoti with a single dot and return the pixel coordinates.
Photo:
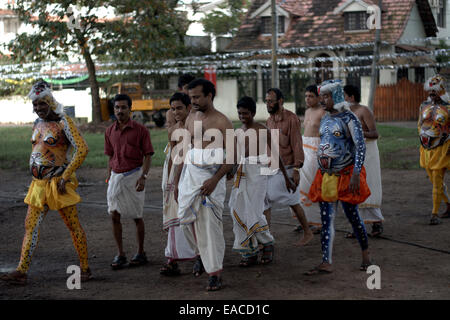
(250, 226)
(369, 210)
(311, 140)
(200, 187)
(177, 248)
(128, 145)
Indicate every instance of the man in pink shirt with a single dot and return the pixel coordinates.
(128, 145)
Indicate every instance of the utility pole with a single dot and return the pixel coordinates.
(274, 44)
(376, 54)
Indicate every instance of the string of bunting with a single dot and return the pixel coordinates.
(227, 63)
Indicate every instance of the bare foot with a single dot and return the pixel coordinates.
(323, 268)
(307, 237)
(15, 277)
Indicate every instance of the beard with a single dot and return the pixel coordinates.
(274, 109)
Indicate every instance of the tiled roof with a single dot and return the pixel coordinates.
(314, 23)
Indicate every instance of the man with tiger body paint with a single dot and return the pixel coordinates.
(434, 129)
(58, 150)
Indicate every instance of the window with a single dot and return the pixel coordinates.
(441, 23)
(355, 20)
(419, 75)
(267, 25)
(324, 71)
(11, 25)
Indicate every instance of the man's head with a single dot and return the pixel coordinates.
(183, 82)
(332, 96)
(311, 96)
(435, 86)
(202, 93)
(180, 104)
(352, 94)
(274, 100)
(246, 108)
(122, 107)
(44, 104)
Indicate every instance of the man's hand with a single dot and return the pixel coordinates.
(208, 186)
(62, 186)
(140, 184)
(354, 183)
(230, 175)
(290, 185)
(296, 177)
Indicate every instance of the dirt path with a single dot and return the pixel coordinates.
(412, 266)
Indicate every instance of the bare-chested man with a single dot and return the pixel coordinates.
(291, 151)
(200, 185)
(311, 140)
(183, 82)
(177, 248)
(370, 210)
(250, 226)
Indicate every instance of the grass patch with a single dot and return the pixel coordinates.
(399, 147)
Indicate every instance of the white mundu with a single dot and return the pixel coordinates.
(122, 195)
(370, 210)
(201, 216)
(177, 246)
(307, 174)
(247, 208)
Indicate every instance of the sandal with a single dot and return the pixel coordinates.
(139, 259)
(170, 269)
(214, 283)
(377, 230)
(119, 262)
(198, 268)
(267, 256)
(248, 262)
(434, 221)
(15, 277)
(318, 270)
(350, 235)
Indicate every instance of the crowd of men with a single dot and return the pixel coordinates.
(336, 159)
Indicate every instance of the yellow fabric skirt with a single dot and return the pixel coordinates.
(45, 192)
(437, 158)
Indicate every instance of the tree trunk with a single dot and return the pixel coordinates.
(95, 94)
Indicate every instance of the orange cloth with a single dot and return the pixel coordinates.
(343, 191)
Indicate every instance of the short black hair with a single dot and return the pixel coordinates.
(247, 103)
(122, 97)
(180, 96)
(277, 91)
(184, 79)
(352, 90)
(313, 89)
(207, 86)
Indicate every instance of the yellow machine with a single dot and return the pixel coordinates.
(143, 109)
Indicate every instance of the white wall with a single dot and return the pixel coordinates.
(414, 28)
(227, 97)
(19, 110)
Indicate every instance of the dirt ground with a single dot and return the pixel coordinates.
(413, 256)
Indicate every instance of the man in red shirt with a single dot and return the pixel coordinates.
(128, 145)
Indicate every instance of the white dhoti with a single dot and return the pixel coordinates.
(307, 175)
(370, 210)
(277, 192)
(177, 246)
(122, 195)
(247, 208)
(201, 216)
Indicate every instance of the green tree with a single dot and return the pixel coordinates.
(226, 18)
(143, 30)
